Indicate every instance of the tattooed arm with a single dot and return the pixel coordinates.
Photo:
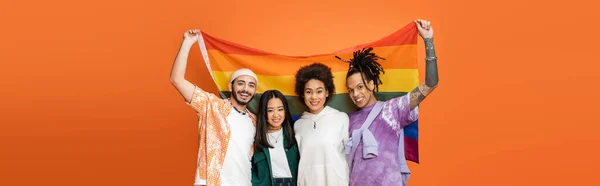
(431, 73)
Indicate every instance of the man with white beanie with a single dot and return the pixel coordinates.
(226, 127)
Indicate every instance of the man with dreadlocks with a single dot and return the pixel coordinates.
(376, 146)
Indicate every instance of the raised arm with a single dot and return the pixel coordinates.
(183, 86)
(431, 73)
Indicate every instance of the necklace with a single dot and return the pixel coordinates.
(239, 111)
(236, 109)
(276, 140)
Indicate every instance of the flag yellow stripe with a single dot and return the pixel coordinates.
(394, 80)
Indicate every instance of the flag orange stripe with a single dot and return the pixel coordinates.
(397, 57)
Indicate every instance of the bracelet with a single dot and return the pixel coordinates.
(430, 58)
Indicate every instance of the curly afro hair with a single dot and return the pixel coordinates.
(316, 71)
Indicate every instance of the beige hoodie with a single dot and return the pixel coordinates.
(321, 140)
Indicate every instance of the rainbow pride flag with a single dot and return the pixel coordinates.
(277, 71)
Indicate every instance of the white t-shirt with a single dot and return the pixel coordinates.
(279, 163)
(237, 168)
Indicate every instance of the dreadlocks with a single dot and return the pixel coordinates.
(365, 62)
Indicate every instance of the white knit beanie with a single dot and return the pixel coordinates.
(241, 72)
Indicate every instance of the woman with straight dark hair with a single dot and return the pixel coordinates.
(276, 155)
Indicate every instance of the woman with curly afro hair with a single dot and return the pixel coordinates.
(321, 131)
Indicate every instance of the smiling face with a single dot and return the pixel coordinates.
(315, 95)
(275, 113)
(243, 89)
(361, 94)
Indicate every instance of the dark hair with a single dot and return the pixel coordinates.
(316, 71)
(261, 139)
(365, 62)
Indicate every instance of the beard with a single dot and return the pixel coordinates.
(240, 101)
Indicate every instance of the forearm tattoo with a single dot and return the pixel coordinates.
(431, 72)
(416, 96)
(431, 75)
(429, 47)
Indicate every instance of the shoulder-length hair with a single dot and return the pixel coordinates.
(261, 139)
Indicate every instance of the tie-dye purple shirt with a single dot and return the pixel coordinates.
(388, 166)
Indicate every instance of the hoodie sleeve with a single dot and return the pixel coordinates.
(345, 121)
(298, 132)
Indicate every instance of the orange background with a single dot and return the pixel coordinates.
(86, 97)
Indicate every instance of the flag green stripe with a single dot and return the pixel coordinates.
(340, 101)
